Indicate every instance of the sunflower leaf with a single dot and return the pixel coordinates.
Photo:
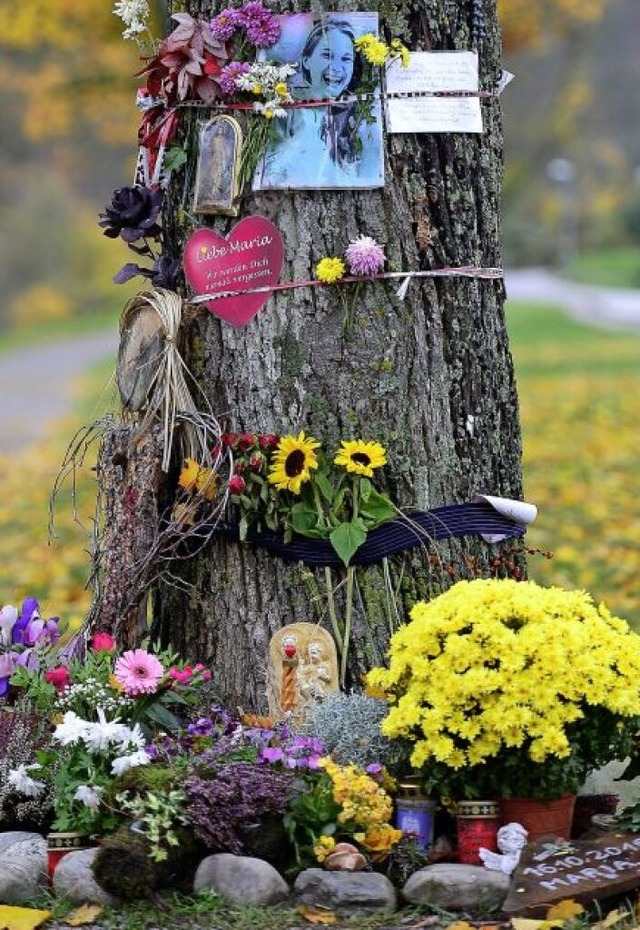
(365, 489)
(347, 538)
(324, 486)
(378, 509)
(304, 520)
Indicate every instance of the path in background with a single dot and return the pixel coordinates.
(606, 308)
(37, 385)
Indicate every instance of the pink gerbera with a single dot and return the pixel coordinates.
(138, 672)
(365, 256)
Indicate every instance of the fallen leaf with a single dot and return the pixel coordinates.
(613, 917)
(21, 918)
(317, 915)
(85, 914)
(460, 925)
(526, 923)
(564, 910)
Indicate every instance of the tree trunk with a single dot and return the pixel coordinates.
(430, 376)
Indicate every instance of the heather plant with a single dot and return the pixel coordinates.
(225, 797)
(22, 733)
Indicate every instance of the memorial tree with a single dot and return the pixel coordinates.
(366, 399)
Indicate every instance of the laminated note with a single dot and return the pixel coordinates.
(411, 104)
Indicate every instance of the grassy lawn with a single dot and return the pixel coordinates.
(52, 330)
(607, 268)
(579, 390)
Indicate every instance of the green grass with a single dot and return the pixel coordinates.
(607, 268)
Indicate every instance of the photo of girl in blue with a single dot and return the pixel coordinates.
(326, 146)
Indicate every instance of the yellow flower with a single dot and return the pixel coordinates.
(189, 475)
(281, 89)
(399, 49)
(376, 52)
(115, 685)
(323, 847)
(379, 839)
(329, 270)
(293, 461)
(361, 458)
(256, 89)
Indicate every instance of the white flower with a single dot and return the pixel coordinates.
(104, 733)
(124, 763)
(89, 796)
(132, 737)
(24, 783)
(134, 14)
(71, 730)
(8, 617)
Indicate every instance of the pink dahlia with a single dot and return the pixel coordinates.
(225, 24)
(261, 26)
(365, 256)
(138, 672)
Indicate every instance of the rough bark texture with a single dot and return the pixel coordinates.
(430, 377)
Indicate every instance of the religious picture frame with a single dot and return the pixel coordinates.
(216, 185)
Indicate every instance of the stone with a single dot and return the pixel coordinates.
(455, 887)
(74, 879)
(241, 880)
(23, 865)
(346, 892)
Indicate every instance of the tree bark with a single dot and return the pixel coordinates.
(430, 376)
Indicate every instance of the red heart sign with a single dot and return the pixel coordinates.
(250, 256)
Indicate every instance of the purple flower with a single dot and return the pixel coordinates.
(225, 24)
(365, 256)
(30, 611)
(228, 75)
(202, 727)
(133, 214)
(261, 26)
(271, 754)
(38, 631)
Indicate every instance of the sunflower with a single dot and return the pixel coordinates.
(292, 462)
(361, 457)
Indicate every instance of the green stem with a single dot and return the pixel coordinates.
(351, 574)
(328, 580)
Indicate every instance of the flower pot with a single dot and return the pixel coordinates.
(477, 824)
(540, 818)
(587, 805)
(59, 844)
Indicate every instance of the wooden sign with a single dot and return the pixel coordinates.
(216, 187)
(583, 870)
(249, 257)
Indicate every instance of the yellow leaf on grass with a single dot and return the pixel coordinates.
(21, 918)
(564, 910)
(613, 917)
(526, 923)
(317, 915)
(460, 925)
(85, 914)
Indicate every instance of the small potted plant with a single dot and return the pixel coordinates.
(512, 690)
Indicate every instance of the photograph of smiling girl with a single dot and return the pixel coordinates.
(325, 147)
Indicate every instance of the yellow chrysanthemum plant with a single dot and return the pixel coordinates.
(509, 689)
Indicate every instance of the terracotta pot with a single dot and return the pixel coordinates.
(59, 844)
(541, 819)
(477, 824)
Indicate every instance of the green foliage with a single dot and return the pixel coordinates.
(156, 815)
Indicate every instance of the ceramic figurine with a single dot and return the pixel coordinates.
(512, 838)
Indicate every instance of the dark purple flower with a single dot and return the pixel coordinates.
(166, 272)
(261, 26)
(39, 631)
(225, 24)
(228, 75)
(202, 727)
(133, 214)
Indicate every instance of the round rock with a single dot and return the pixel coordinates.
(456, 887)
(241, 879)
(346, 892)
(74, 879)
(23, 865)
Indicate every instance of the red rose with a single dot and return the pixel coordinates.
(103, 642)
(229, 440)
(58, 677)
(246, 441)
(237, 485)
(268, 441)
(257, 461)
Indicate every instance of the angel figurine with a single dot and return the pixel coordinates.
(511, 840)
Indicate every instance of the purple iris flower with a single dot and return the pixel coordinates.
(30, 610)
(29, 658)
(38, 631)
(7, 666)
